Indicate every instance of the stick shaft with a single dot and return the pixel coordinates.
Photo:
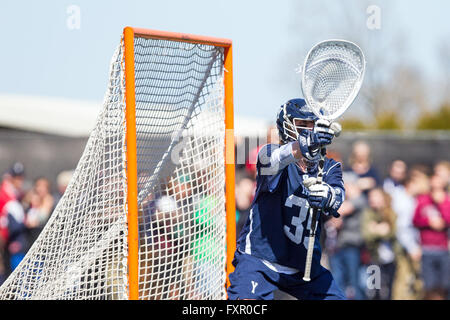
(314, 218)
(309, 254)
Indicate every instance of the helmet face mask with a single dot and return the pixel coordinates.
(293, 127)
(294, 117)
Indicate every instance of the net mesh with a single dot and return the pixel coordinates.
(332, 76)
(82, 251)
(179, 103)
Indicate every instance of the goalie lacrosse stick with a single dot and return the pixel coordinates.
(332, 75)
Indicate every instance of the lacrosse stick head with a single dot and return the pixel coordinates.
(332, 75)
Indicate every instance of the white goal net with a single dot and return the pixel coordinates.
(82, 252)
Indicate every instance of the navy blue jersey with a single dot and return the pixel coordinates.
(278, 226)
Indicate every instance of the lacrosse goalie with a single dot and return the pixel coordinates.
(272, 246)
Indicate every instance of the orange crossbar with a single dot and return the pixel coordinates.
(183, 37)
(129, 35)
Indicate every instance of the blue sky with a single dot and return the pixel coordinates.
(41, 56)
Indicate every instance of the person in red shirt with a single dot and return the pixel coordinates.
(10, 191)
(432, 218)
(12, 228)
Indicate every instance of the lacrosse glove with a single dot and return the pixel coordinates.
(309, 145)
(323, 196)
(326, 131)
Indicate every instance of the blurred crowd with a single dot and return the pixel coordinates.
(24, 210)
(391, 241)
(392, 238)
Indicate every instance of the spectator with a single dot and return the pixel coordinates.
(397, 175)
(360, 164)
(272, 135)
(432, 218)
(344, 253)
(161, 238)
(250, 163)
(271, 138)
(205, 258)
(62, 182)
(39, 204)
(378, 231)
(173, 233)
(442, 169)
(407, 284)
(245, 191)
(12, 217)
(420, 174)
(156, 261)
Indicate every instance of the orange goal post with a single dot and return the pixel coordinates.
(150, 210)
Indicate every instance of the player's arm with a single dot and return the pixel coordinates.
(273, 159)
